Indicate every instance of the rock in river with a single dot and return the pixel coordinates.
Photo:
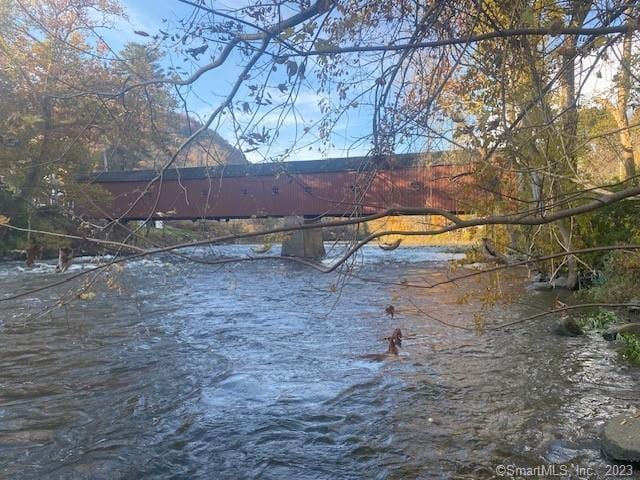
(568, 327)
(620, 438)
(612, 332)
(560, 451)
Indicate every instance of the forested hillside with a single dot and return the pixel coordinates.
(56, 125)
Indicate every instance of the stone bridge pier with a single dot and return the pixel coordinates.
(303, 243)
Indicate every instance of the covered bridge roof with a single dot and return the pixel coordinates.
(328, 165)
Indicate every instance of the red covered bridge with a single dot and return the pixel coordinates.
(317, 188)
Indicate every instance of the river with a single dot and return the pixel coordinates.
(255, 370)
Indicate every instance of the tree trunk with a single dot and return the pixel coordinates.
(34, 175)
(570, 124)
(572, 264)
(620, 113)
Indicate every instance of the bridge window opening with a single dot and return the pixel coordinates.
(244, 191)
(416, 185)
(204, 193)
(307, 189)
(275, 190)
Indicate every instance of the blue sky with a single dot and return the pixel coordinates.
(210, 89)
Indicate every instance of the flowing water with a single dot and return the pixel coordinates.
(255, 370)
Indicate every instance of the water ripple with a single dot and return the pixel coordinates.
(256, 371)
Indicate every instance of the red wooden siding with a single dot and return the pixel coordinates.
(306, 193)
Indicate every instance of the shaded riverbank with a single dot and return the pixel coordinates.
(253, 371)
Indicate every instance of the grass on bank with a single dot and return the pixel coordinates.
(631, 352)
(601, 320)
(169, 235)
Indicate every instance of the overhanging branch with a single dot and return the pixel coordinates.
(518, 32)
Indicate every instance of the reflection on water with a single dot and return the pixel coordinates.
(254, 371)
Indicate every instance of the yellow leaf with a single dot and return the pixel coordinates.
(87, 296)
(4, 220)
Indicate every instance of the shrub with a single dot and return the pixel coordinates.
(631, 352)
(621, 273)
(599, 321)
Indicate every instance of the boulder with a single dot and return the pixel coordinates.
(568, 327)
(542, 282)
(559, 451)
(540, 277)
(620, 438)
(561, 282)
(476, 266)
(612, 332)
(540, 286)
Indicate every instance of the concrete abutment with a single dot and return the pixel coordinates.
(303, 243)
